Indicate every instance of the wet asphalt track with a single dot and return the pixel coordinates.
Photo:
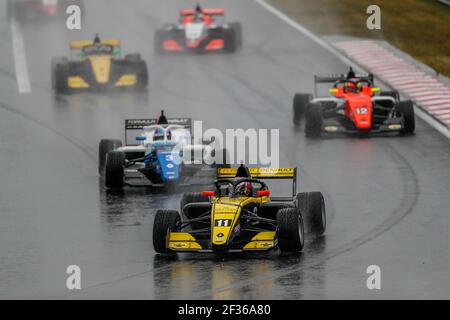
(387, 198)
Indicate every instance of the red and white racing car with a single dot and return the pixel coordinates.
(199, 30)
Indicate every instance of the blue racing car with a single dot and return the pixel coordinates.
(159, 155)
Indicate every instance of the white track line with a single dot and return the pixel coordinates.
(327, 46)
(20, 59)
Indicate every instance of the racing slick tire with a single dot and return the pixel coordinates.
(312, 208)
(313, 120)
(290, 230)
(300, 103)
(237, 27)
(104, 147)
(192, 197)
(165, 221)
(60, 74)
(230, 41)
(406, 108)
(114, 171)
(392, 94)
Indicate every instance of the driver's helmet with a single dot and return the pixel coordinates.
(158, 135)
(97, 40)
(198, 17)
(351, 87)
(169, 135)
(243, 189)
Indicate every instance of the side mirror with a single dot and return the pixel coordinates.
(208, 193)
(263, 193)
(141, 138)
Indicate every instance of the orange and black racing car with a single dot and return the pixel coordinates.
(355, 106)
(199, 30)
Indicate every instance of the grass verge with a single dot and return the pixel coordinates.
(420, 28)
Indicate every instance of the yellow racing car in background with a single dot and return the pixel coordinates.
(241, 216)
(98, 66)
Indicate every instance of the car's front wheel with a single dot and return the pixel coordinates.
(312, 208)
(290, 230)
(313, 120)
(406, 108)
(105, 146)
(114, 170)
(300, 104)
(165, 222)
(60, 75)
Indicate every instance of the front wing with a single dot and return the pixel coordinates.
(186, 242)
(181, 44)
(82, 77)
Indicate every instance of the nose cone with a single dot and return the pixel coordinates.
(101, 67)
(224, 217)
(170, 166)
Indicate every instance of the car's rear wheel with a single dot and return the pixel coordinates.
(290, 230)
(192, 197)
(105, 146)
(165, 222)
(313, 120)
(114, 170)
(194, 212)
(391, 94)
(312, 208)
(300, 104)
(406, 108)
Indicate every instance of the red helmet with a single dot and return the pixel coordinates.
(350, 87)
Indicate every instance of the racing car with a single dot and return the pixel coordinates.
(353, 107)
(28, 9)
(162, 154)
(199, 30)
(241, 215)
(98, 65)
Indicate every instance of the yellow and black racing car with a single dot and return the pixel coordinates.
(96, 65)
(239, 215)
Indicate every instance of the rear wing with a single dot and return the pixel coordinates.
(266, 173)
(207, 11)
(332, 78)
(137, 125)
(80, 44)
